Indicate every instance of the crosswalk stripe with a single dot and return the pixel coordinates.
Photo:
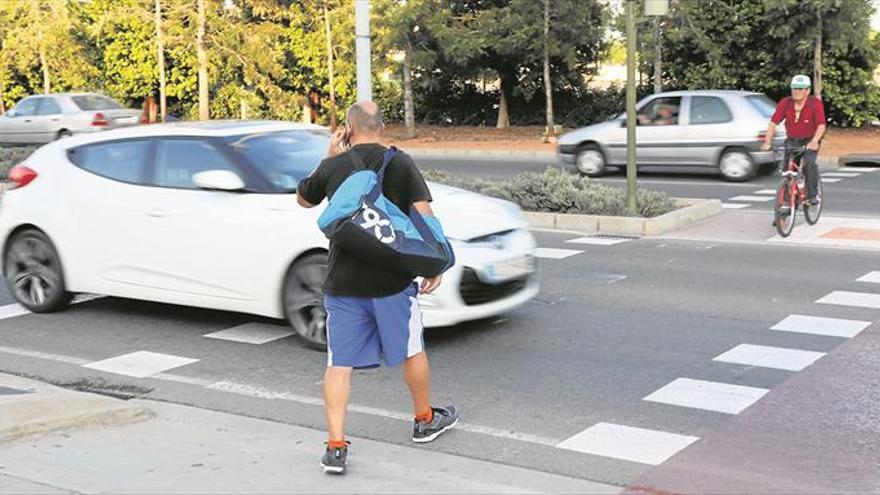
(628, 443)
(766, 191)
(818, 325)
(555, 253)
(252, 333)
(751, 198)
(858, 169)
(855, 299)
(872, 277)
(770, 357)
(599, 241)
(832, 180)
(15, 309)
(734, 206)
(140, 364)
(709, 396)
(844, 175)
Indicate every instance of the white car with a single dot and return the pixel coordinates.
(202, 214)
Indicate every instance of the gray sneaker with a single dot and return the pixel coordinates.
(333, 460)
(444, 419)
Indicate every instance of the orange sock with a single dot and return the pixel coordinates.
(425, 417)
(336, 444)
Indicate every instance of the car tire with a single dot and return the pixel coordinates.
(303, 300)
(63, 133)
(737, 165)
(590, 161)
(34, 274)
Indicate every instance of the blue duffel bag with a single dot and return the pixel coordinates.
(361, 220)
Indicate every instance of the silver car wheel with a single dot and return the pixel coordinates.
(736, 165)
(590, 162)
(304, 300)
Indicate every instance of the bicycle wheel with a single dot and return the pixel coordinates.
(785, 211)
(813, 212)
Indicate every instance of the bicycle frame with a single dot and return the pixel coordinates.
(793, 170)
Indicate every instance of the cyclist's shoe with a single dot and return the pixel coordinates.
(812, 202)
(444, 419)
(333, 460)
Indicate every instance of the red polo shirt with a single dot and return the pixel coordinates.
(812, 116)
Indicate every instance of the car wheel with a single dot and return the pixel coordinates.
(737, 166)
(590, 161)
(303, 300)
(63, 133)
(33, 273)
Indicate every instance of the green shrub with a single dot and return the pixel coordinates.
(558, 191)
(10, 157)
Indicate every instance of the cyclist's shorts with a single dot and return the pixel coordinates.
(364, 331)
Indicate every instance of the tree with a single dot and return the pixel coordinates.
(202, 55)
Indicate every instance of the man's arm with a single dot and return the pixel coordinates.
(302, 201)
(768, 139)
(814, 143)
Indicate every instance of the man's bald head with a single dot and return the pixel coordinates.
(365, 117)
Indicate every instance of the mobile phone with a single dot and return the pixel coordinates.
(346, 138)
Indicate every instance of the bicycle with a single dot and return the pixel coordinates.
(791, 194)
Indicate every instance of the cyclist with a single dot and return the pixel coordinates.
(804, 117)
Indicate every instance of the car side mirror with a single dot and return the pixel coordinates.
(221, 180)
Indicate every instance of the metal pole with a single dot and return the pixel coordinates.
(362, 43)
(631, 105)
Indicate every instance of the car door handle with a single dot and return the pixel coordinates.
(157, 212)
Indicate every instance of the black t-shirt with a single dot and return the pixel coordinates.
(403, 185)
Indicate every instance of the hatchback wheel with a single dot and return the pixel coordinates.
(304, 300)
(33, 273)
(737, 166)
(63, 133)
(590, 161)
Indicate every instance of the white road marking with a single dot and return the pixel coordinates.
(766, 191)
(858, 169)
(817, 325)
(734, 206)
(600, 241)
(752, 198)
(252, 333)
(554, 253)
(856, 299)
(709, 396)
(140, 364)
(844, 175)
(770, 357)
(628, 443)
(832, 180)
(15, 309)
(872, 277)
(44, 355)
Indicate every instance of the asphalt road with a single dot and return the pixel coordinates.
(612, 325)
(856, 195)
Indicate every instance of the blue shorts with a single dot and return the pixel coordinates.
(361, 331)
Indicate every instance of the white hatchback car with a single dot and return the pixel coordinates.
(202, 214)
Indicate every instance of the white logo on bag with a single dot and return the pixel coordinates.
(374, 220)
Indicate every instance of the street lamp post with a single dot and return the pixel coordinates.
(362, 47)
(631, 105)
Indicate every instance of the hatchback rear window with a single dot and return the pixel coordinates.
(764, 105)
(95, 102)
(119, 160)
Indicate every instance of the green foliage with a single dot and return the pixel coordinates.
(558, 191)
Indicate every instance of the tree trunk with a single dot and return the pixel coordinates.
(503, 114)
(44, 65)
(160, 52)
(330, 71)
(2, 95)
(817, 61)
(409, 118)
(548, 87)
(204, 113)
(658, 70)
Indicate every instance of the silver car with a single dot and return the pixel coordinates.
(722, 129)
(39, 119)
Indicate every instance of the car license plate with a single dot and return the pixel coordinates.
(509, 270)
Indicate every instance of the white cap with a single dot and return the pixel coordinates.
(800, 81)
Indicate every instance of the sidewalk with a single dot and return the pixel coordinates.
(159, 447)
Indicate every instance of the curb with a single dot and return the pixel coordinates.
(474, 153)
(690, 211)
(42, 408)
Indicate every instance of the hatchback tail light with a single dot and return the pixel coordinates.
(99, 120)
(762, 135)
(20, 176)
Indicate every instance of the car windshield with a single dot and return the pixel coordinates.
(95, 102)
(764, 105)
(284, 157)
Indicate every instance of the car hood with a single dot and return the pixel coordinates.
(594, 131)
(466, 215)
